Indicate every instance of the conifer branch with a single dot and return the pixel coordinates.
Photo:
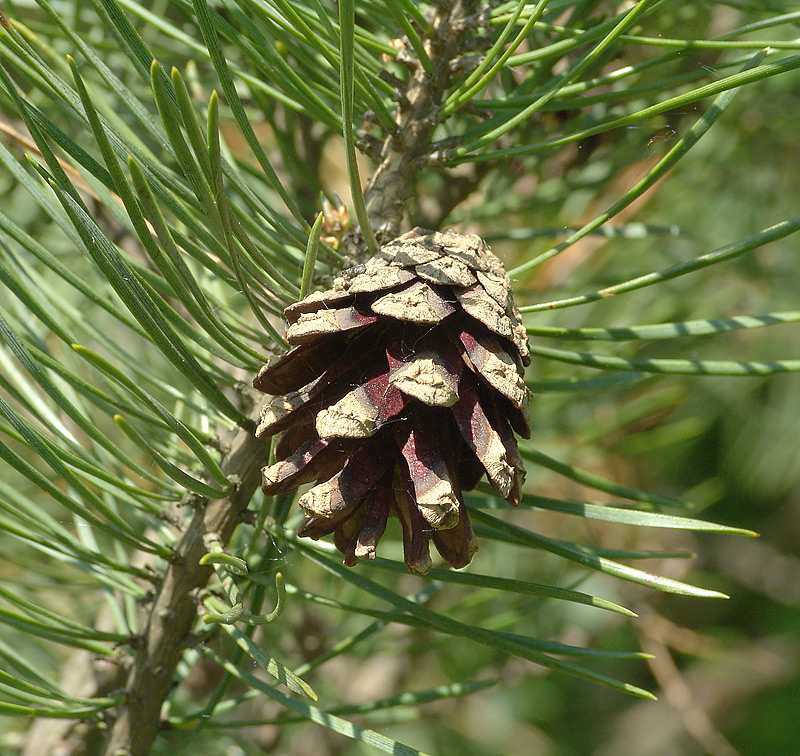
(454, 37)
(408, 149)
(171, 615)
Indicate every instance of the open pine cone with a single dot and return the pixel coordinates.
(401, 391)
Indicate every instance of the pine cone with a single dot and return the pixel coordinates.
(401, 391)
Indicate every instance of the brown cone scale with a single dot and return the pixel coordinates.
(403, 387)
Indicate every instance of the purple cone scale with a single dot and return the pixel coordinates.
(402, 389)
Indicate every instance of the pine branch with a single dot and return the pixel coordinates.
(172, 614)
(174, 610)
(436, 52)
(408, 149)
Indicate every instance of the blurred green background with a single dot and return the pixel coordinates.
(727, 674)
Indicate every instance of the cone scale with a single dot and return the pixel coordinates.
(402, 389)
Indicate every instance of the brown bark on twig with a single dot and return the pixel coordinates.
(174, 610)
(407, 150)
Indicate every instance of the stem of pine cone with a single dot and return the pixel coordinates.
(408, 149)
(171, 616)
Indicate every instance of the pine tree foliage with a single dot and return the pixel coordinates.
(170, 189)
